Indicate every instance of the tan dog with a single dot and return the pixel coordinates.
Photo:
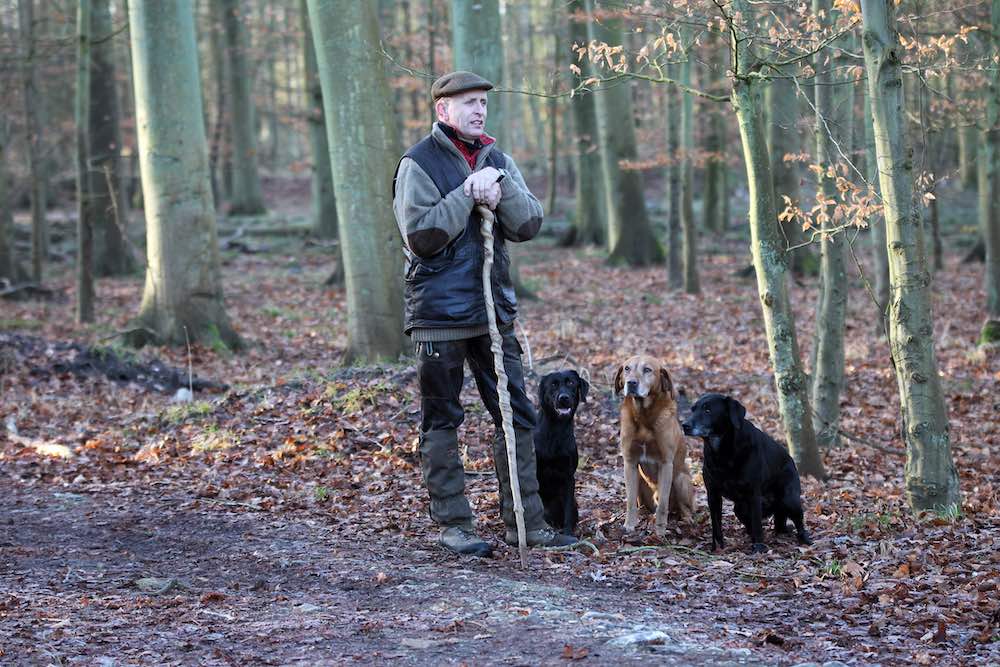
(652, 443)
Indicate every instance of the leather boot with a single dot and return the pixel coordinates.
(538, 533)
(463, 540)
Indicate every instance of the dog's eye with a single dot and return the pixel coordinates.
(647, 370)
(627, 369)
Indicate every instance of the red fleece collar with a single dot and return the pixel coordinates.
(468, 150)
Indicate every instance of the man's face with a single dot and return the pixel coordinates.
(466, 112)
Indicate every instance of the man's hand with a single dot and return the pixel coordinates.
(492, 197)
(479, 183)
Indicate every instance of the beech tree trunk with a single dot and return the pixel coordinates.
(630, 235)
(931, 478)
(108, 209)
(35, 121)
(673, 99)
(84, 229)
(476, 45)
(834, 107)
(10, 269)
(352, 76)
(245, 197)
(324, 199)
(689, 232)
(590, 217)
(876, 224)
(989, 189)
(783, 139)
(183, 297)
(769, 258)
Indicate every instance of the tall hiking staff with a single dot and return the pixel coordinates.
(503, 390)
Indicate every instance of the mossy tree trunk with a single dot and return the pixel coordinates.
(590, 218)
(10, 268)
(931, 478)
(769, 257)
(246, 197)
(630, 236)
(352, 76)
(183, 297)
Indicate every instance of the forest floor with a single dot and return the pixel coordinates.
(279, 517)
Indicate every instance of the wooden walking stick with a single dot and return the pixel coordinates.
(503, 387)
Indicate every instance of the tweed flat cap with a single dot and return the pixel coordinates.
(454, 83)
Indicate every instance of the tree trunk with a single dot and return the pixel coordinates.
(10, 269)
(931, 478)
(324, 200)
(108, 209)
(221, 152)
(590, 217)
(476, 45)
(246, 197)
(989, 189)
(689, 233)
(714, 165)
(832, 129)
(352, 76)
(183, 297)
(630, 236)
(84, 228)
(877, 226)
(553, 111)
(769, 259)
(967, 137)
(673, 99)
(34, 109)
(782, 139)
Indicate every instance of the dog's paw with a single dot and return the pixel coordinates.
(631, 523)
(804, 538)
(758, 548)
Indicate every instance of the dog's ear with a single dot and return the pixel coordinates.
(736, 412)
(619, 384)
(541, 390)
(666, 384)
(582, 388)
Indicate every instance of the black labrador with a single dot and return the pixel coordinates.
(746, 466)
(556, 457)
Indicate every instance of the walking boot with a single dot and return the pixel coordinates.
(463, 540)
(537, 532)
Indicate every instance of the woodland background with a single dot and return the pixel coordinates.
(210, 416)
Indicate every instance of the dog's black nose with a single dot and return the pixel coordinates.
(564, 401)
(686, 427)
(631, 386)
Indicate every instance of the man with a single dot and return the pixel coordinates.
(438, 183)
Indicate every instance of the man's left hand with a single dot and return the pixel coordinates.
(479, 183)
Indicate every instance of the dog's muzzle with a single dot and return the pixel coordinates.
(694, 430)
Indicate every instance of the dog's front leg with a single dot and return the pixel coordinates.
(663, 484)
(631, 495)
(715, 512)
(756, 525)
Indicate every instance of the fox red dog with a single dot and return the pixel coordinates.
(652, 445)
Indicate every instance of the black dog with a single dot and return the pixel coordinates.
(745, 465)
(556, 458)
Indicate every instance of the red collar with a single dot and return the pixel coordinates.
(468, 150)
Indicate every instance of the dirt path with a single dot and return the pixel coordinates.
(252, 589)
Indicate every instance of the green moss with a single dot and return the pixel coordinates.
(990, 333)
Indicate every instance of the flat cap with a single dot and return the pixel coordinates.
(454, 83)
